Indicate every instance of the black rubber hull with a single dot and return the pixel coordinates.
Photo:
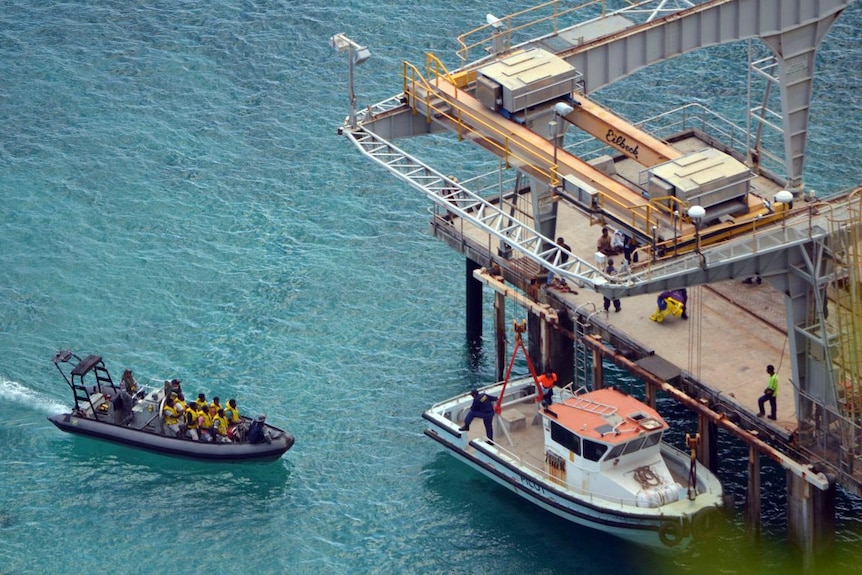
(281, 442)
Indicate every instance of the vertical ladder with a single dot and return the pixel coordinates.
(583, 357)
(102, 376)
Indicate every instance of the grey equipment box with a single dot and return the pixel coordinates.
(525, 79)
(706, 178)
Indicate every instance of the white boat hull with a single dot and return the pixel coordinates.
(670, 526)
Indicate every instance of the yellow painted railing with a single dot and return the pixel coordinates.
(512, 150)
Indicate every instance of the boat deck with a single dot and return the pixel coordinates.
(518, 431)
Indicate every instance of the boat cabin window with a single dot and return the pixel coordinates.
(593, 450)
(565, 438)
(634, 445)
(616, 451)
(651, 440)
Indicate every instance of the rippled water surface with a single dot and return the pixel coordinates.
(175, 198)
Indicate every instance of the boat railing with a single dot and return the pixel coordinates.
(576, 400)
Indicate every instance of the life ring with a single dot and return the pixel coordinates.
(670, 533)
(704, 523)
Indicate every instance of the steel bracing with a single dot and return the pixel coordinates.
(810, 252)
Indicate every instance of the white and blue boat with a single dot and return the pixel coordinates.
(595, 458)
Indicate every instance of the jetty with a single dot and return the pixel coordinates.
(771, 270)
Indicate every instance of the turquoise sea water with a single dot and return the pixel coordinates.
(175, 198)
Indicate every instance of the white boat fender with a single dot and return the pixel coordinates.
(670, 533)
(660, 495)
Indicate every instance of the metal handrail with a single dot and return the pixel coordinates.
(506, 150)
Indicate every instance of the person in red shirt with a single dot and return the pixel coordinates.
(547, 381)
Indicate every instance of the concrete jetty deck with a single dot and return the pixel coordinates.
(733, 332)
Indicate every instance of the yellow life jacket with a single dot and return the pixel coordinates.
(232, 414)
(191, 417)
(170, 415)
(220, 425)
(208, 421)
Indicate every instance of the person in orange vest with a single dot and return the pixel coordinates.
(547, 380)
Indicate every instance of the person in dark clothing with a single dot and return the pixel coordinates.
(123, 404)
(683, 294)
(629, 253)
(564, 257)
(483, 407)
(257, 432)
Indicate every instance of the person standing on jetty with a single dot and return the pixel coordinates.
(769, 394)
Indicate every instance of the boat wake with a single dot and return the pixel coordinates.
(12, 391)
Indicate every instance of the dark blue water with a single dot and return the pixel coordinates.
(175, 198)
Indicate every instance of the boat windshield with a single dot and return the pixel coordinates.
(634, 445)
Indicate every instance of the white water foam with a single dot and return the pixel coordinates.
(18, 393)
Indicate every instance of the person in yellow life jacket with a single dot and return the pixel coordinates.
(205, 424)
(201, 401)
(236, 429)
(169, 415)
(180, 406)
(220, 427)
(232, 413)
(215, 406)
(547, 380)
(192, 422)
(212, 411)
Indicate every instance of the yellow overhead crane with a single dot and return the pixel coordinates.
(611, 130)
(448, 100)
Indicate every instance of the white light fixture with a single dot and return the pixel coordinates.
(356, 55)
(696, 213)
(497, 36)
(563, 109)
(785, 198)
(494, 21)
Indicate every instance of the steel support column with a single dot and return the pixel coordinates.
(473, 303)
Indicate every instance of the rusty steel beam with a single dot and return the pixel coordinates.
(804, 471)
